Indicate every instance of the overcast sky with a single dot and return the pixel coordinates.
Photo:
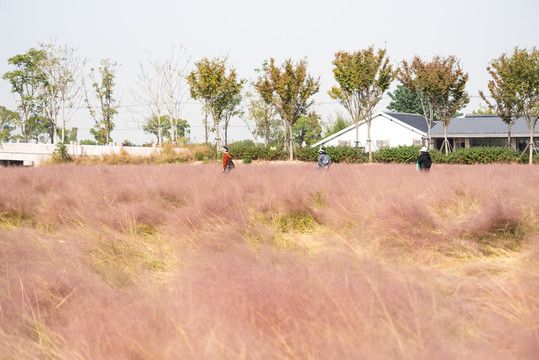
(250, 31)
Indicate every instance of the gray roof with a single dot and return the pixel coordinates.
(414, 120)
(482, 125)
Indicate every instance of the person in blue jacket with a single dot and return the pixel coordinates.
(324, 161)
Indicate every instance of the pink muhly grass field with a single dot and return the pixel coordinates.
(272, 261)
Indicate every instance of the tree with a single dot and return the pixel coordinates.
(231, 110)
(160, 128)
(151, 91)
(26, 80)
(515, 89)
(217, 90)
(450, 92)
(263, 114)
(524, 79)
(404, 100)
(307, 129)
(362, 78)
(294, 88)
(104, 113)
(8, 123)
(439, 84)
(504, 99)
(173, 72)
(484, 111)
(336, 125)
(62, 68)
(263, 108)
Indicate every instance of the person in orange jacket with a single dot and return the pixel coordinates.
(228, 164)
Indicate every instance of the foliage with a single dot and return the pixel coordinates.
(338, 154)
(404, 100)
(307, 129)
(88, 142)
(484, 111)
(515, 88)
(362, 78)
(26, 81)
(440, 86)
(263, 109)
(108, 105)
(69, 135)
(217, 90)
(293, 88)
(61, 155)
(400, 154)
(8, 121)
(241, 150)
(334, 126)
(162, 127)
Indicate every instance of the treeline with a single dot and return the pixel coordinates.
(277, 105)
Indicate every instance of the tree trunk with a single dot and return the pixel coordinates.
(509, 135)
(206, 128)
(357, 133)
(266, 132)
(445, 139)
(217, 137)
(369, 138)
(532, 145)
(291, 142)
(226, 133)
(63, 121)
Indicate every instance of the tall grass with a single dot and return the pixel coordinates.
(268, 262)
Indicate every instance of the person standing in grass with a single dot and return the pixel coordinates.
(423, 160)
(324, 161)
(228, 164)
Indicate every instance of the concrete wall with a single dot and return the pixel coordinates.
(33, 154)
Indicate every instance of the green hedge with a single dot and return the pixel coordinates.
(400, 154)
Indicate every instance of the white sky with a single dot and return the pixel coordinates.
(250, 31)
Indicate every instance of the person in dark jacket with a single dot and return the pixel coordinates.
(324, 161)
(423, 160)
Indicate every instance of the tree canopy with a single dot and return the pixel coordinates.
(362, 78)
(294, 89)
(217, 90)
(515, 88)
(107, 108)
(440, 86)
(404, 100)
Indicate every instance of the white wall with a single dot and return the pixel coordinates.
(33, 154)
(382, 128)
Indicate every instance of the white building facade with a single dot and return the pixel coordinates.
(387, 130)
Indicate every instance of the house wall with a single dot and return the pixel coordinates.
(384, 133)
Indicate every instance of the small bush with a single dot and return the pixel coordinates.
(60, 155)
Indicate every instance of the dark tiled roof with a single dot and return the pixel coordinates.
(415, 120)
(476, 125)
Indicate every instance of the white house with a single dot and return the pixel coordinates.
(388, 129)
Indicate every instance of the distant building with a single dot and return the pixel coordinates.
(482, 130)
(388, 129)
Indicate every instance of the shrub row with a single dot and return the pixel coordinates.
(401, 154)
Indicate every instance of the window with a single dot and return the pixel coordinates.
(380, 144)
(459, 143)
(501, 142)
